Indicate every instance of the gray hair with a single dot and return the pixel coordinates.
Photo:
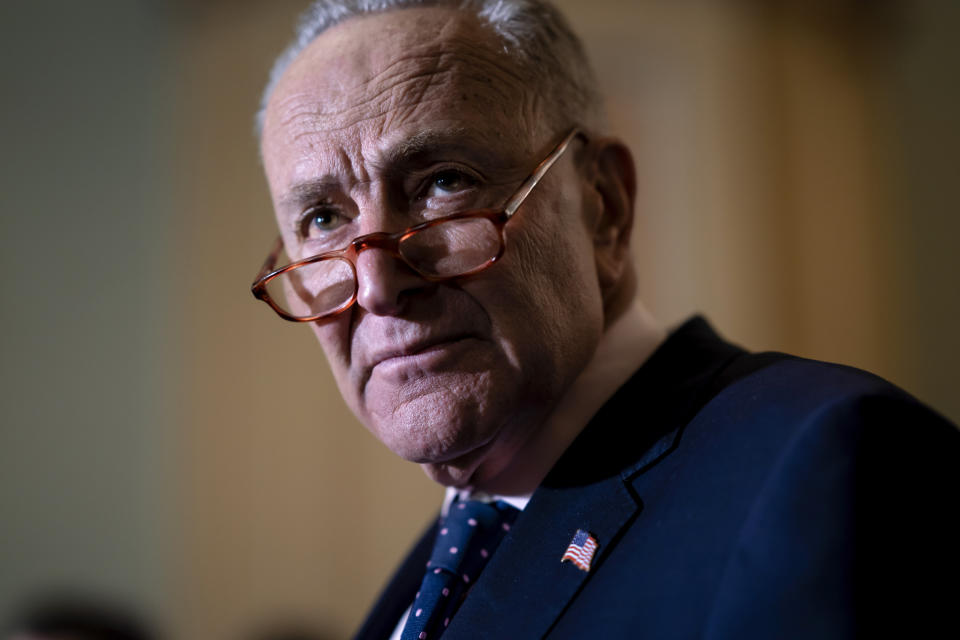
(546, 49)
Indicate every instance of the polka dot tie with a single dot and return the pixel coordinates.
(467, 537)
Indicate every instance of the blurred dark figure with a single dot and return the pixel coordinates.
(76, 618)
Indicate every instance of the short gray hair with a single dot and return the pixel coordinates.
(546, 49)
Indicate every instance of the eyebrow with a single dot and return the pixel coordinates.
(309, 191)
(426, 145)
(430, 140)
(421, 147)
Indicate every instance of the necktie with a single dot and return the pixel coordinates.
(467, 537)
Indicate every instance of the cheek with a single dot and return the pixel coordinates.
(334, 338)
(555, 266)
(558, 261)
(548, 305)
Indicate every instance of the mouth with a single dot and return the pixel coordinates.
(418, 350)
(414, 360)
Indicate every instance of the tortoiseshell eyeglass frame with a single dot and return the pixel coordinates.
(390, 242)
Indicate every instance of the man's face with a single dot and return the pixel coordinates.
(391, 119)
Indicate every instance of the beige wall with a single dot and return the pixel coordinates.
(84, 236)
(796, 185)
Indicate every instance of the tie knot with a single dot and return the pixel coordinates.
(470, 528)
(478, 513)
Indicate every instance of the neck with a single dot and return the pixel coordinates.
(625, 345)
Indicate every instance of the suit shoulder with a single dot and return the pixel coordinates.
(797, 415)
(810, 387)
(793, 400)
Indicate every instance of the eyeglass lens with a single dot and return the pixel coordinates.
(445, 250)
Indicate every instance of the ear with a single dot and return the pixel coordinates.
(615, 187)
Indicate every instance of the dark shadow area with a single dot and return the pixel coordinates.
(75, 617)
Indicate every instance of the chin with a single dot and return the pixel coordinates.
(430, 438)
(450, 447)
(460, 472)
(448, 476)
(436, 419)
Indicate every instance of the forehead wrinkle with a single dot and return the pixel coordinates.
(406, 81)
(394, 92)
(456, 55)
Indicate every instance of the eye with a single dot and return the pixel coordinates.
(319, 221)
(448, 182)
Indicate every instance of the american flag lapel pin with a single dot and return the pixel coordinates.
(581, 549)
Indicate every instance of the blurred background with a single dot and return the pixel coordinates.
(169, 445)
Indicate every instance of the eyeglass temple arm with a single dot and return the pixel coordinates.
(514, 203)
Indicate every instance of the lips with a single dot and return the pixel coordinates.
(417, 347)
(425, 337)
(415, 360)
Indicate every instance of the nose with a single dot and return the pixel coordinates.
(385, 283)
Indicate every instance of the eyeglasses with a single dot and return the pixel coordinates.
(454, 246)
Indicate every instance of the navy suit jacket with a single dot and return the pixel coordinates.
(733, 496)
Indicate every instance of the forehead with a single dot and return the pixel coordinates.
(377, 79)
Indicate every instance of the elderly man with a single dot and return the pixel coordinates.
(455, 227)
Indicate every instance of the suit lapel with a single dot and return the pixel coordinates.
(525, 588)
